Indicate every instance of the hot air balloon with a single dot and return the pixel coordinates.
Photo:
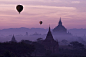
(40, 22)
(19, 8)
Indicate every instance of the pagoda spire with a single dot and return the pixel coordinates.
(60, 22)
(49, 35)
(49, 27)
(13, 39)
(60, 18)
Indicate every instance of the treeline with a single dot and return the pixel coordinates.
(27, 48)
(16, 49)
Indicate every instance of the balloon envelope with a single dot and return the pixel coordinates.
(19, 8)
(40, 22)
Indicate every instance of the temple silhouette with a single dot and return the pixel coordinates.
(13, 39)
(60, 29)
(49, 42)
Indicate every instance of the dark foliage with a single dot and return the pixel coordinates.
(76, 44)
(39, 48)
(40, 40)
(27, 41)
(17, 49)
(7, 54)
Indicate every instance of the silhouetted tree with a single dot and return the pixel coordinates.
(76, 44)
(18, 49)
(39, 48)
(7, 54)
(39, 40)
(27, 41)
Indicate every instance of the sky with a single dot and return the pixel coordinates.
(72, 13)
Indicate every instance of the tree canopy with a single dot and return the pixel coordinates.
(76, 44)
(18, 49)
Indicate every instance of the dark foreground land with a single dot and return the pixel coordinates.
(27, 48)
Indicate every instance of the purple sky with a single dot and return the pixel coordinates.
(72, 12)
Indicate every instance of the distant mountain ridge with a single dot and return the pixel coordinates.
(23, 30)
